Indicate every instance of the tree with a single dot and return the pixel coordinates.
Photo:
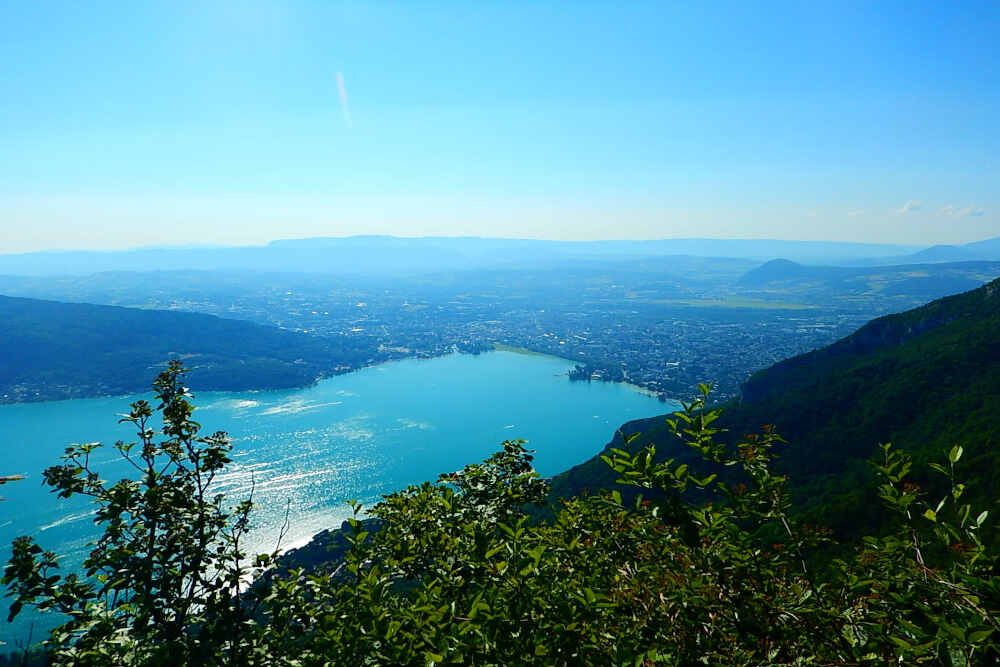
(6, 479)
(161, 585)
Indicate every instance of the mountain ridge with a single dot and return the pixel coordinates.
(54, 350)
(389, 255)
(925, 379)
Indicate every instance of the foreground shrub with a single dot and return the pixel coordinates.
(160, 585)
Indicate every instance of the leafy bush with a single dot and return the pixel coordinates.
(161, 584)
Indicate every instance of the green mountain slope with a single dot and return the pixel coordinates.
(53, 350)
(924, 380)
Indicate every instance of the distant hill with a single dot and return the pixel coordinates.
(986, 250)
(53, 350)
(783, 270)
(944, 253)
(988, 247)
(925, 380)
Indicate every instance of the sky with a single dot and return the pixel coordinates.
(216, 122)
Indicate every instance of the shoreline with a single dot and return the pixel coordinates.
(497, 347)
(503, 347)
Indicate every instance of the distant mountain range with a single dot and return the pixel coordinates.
(925, 380)
(51, 350)
(980, 250)
(387, 255)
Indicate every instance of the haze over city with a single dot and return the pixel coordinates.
(236, 123)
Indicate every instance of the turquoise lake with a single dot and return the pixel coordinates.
(353, 436)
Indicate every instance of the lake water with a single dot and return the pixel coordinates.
(353, 436)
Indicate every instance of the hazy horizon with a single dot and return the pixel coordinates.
(181, 245)
(222, 123)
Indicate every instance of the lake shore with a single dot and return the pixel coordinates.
(501, 347)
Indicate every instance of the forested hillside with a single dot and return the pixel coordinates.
(52, 350)
(924, 379)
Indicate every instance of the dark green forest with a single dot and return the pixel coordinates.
(51, 350)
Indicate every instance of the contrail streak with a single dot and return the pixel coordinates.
(345, 107)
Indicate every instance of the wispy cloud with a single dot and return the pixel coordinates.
(953, 211)
(856, 213)
(909, 207)
(345, 107)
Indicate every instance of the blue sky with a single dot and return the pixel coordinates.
(130, 124)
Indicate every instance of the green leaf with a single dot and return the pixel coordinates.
(953, 630)
(930, 515)
(955, 454)
(978, 636)
(536, 553)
